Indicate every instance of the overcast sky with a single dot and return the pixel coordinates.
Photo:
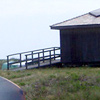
(24, 24)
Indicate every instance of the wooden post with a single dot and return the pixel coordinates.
(7, 62)
(38, 59)
(50, 57)
(32, 57)
(43, 55)
(54, 53)
(26, 61)
(60, 53)
(20, 60)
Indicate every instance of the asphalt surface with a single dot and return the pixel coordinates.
(10, 91)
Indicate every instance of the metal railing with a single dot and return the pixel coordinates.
(36, 56)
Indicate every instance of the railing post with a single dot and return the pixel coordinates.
(54, 53)
(38, 59)
(50, 57)
(60, 52)
(20, 60)
(26, 61)
(7, 62)
(43, 55)
(32, 57)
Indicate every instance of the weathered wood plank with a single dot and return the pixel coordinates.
(80, 45)
(47, 63)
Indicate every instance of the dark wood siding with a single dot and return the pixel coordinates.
(80, 45)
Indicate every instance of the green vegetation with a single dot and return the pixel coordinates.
(2, 61)
(58, 83)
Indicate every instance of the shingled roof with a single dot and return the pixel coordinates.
(90, 19)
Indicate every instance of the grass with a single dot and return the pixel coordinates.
(58, 83)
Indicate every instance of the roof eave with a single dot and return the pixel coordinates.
(75, 26)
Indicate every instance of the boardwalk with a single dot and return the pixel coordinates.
(53, 62)
(35, 59)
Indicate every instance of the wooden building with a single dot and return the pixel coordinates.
(80, 39)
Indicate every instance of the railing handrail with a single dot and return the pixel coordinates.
(41, 52)
(32, 51)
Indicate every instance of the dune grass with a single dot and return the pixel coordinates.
(58, 83)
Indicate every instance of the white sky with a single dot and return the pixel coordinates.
(24, 24)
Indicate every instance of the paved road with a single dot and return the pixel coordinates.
(10, 91)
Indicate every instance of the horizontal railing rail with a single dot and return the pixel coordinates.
(33, 51)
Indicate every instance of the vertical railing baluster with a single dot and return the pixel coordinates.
(60, 53)
(26, 61)
(43, 55)
(38, 59)
(50, 56)
(32, 57)
(54, 53)
(20, 60)
(7, 62)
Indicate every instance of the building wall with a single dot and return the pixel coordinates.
(80, 45)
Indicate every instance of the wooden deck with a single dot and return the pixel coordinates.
(47, 63)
